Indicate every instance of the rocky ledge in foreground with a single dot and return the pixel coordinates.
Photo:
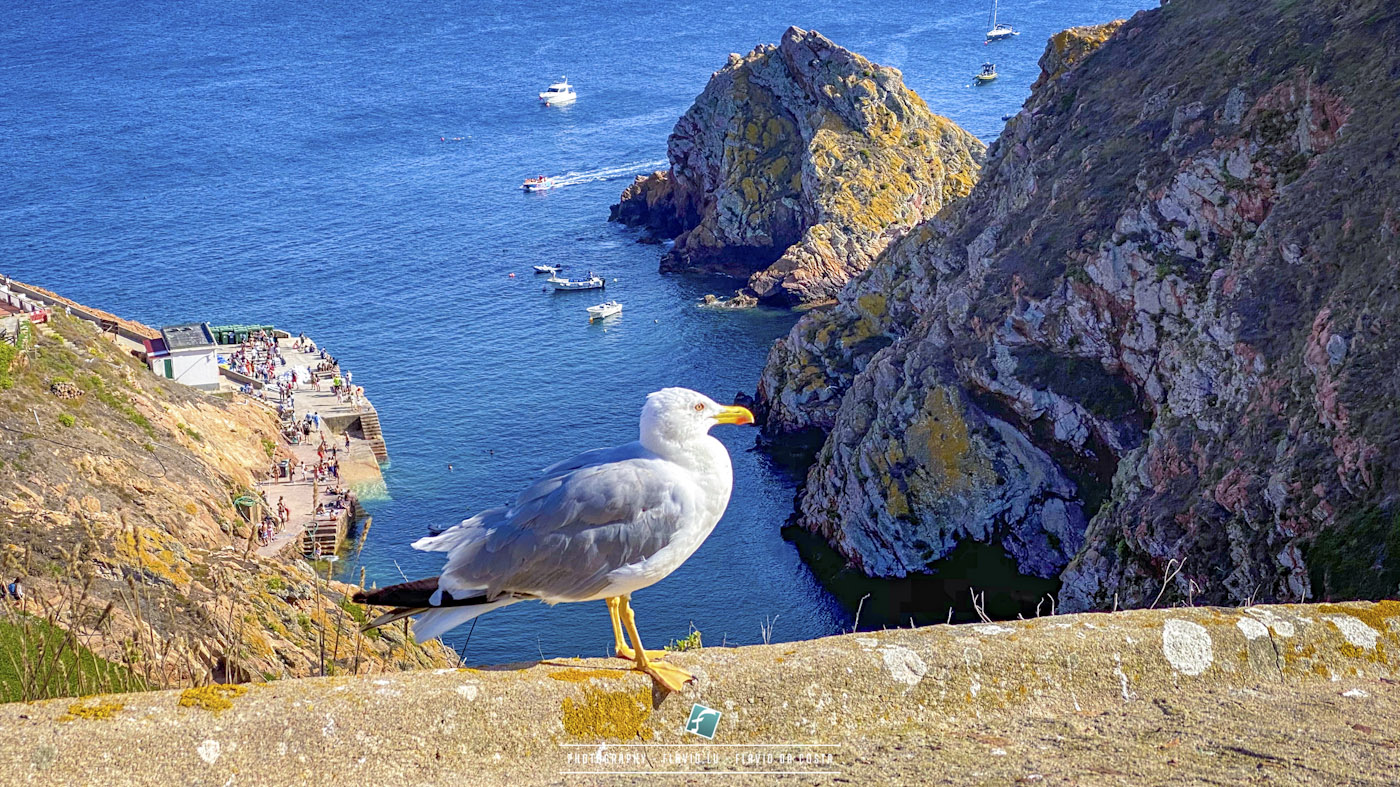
(1162, 330)
(1303, 693)
(796, 166)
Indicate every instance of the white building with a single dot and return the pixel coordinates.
(186, 354)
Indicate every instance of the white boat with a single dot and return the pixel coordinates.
(989, 72)
(560, 92)
(541, 183)
(550, 269)
(999, 32)
(604, 310)
(590, 283)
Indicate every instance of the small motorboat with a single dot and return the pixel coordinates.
(560, 92)
(590, 283)
(988, 73)
(541, 183)
(550, 269)
(999, 32)
(604, 310)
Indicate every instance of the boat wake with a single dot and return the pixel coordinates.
(609, 173)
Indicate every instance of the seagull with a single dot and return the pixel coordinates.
(597, 527)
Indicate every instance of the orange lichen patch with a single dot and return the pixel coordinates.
(581, 675)
(214, 697)
(99, 710)
(608, 714)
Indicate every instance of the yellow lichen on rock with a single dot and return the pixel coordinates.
(214, 697)
(608, 714)
(98, 710)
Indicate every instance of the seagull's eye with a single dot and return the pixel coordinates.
(699, 407)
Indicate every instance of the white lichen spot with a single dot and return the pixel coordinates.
(1357, 633)
(1280, 626)
(867, 642)
(1252, 629)
(1356, 694)
(383, 683)
(468, 690)
(329, 729)
(998, 752)
(904, 664)
(992, 629)
(1186, 646)
(208, 751)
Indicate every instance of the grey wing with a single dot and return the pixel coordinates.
(568, 531)
(479, 527)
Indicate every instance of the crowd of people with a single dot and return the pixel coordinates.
(257, 357)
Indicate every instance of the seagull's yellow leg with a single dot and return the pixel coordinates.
(673, 678)
(620, 649)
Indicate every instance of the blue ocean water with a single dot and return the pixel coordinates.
(351, 171)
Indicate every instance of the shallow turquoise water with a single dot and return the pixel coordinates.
(284, 162)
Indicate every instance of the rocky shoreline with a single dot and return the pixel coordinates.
(1155, 342)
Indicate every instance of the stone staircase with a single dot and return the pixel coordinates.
(369, 425)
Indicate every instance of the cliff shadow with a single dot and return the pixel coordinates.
(926, 598)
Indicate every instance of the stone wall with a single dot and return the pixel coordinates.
(1293, 694)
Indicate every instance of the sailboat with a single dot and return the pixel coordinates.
(999, 32)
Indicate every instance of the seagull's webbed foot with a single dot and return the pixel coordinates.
(669, 675)
(624, 652)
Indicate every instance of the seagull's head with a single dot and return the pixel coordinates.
(679, 415)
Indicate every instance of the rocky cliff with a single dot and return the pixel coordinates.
(1158, 338)
(116, 510)
(796, 166)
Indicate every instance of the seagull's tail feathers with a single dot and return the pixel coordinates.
(436, 622)
(406, 594)
(416, 598)
(465, 532)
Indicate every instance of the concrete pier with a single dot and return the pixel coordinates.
(359, 457)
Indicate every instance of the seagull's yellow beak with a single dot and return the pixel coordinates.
(734, 415)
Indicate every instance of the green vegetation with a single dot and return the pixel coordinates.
(352, 609)
(191, 433)
(67, 419)
(269, 446)
(690, 642)
(98, 387)
(40, 661)
(8, 353)
(1360, 558)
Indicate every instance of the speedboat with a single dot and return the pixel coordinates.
(999, 32)
(604, 310)
(560, 92)
(541, 183)
(989, 72)
(590, 283)
(550, 269)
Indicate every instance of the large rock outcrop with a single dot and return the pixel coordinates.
(1158, 339)
(796, 167)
